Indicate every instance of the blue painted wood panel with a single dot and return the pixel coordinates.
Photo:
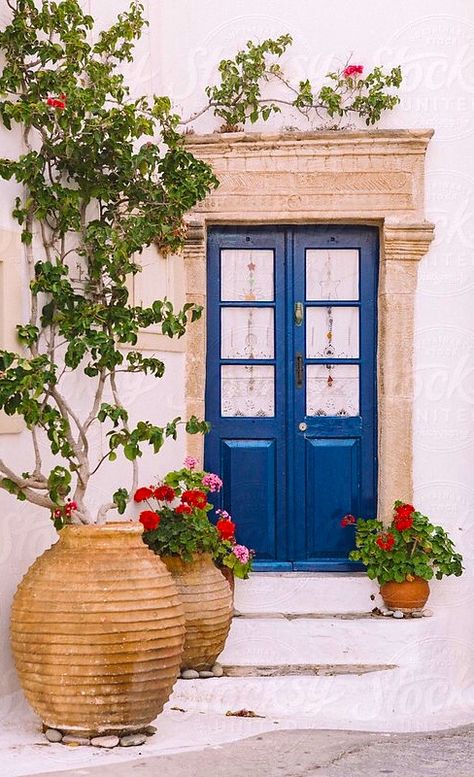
(249, 472)
(332, 490)
(286, 486)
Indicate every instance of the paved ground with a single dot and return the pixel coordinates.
(307, 754)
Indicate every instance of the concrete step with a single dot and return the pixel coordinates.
(302, 592)
(359, 701)
(274, 640)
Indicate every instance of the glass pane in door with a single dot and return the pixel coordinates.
(332, 390)
(247, 275)
(247, 390)
(247, 333)
(332, 332)
(332, 273)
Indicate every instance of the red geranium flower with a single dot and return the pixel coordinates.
(143, 493)
(164, 493)
(183, 509)
(352, 70)
(225, 528)
(402, 522)
(385, 541)
(194, 498)
(149, 519)
(348, 520)
(404, 511)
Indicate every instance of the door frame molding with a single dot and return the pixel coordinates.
(367, 177)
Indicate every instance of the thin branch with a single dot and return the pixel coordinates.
(197, 114)
(101, 461)
(38, 460)
(97, 399)
(102, 513)
(118, 402)
(79, 451)
(27, 486)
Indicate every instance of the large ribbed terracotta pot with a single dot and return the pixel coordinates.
(98, 631)
(207, 600)
(406, 596)
(229, 576)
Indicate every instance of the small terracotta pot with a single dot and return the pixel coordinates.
(406, 596)
(208, 608)
(97, 631)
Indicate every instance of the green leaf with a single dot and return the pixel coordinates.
(121, 499)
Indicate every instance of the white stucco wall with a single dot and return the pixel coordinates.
(434, 43)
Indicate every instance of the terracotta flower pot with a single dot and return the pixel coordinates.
(208, 607)
(229, 576)
(98, 631)
(407, 596)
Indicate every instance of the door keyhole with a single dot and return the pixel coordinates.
(299, 370)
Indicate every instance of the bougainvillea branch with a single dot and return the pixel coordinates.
(103, 176)
(238, 97)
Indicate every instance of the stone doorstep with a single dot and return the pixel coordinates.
(331, 699)
(300, 593)
(308, 670)
(291, 616)
(321, 641)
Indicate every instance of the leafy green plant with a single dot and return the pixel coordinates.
(241, 94)
(410, 547)
(230, 554)
(103, 176)
(179, 525)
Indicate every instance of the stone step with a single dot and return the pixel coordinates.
(276, 640)
(298, 670)
(306, 592)
(344, 701)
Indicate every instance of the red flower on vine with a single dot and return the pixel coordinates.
(57, 102)
(352, 70)
(385, 541)
(149, 519)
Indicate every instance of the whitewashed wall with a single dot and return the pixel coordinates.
(434, 43)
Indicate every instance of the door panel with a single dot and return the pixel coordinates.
(332, 490)
(291, 386)
(249, 470)
(246, 382)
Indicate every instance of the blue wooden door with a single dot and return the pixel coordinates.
(291, 387)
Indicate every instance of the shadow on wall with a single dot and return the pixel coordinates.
(25, 532)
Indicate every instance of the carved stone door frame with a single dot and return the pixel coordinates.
(363, 177)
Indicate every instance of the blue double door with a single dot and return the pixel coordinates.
(291, 387)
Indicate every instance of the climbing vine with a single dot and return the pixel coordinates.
(104, 176)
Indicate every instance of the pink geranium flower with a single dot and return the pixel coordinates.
(213, 482)
(242, 553)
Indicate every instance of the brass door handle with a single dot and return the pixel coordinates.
(299, 313)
